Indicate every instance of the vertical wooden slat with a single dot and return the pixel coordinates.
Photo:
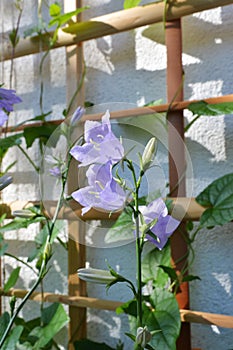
(177, 159)
(76, 251)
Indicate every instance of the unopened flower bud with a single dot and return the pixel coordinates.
(79, 112)
(95, 275)
(148, 154)
(143, 336)
(5, 180)
(24, 213)
(48, 252)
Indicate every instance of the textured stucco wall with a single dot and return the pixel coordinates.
(130, 68)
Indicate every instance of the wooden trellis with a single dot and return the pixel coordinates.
(112, 24)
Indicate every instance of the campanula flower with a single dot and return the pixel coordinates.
(101, 145)
(7, 100)
(103, 191)
(164, 224)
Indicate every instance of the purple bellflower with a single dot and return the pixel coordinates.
(7, 100)
(103, 191)
(164, 226)
(101, 145)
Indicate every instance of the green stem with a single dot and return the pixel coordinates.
(21, 261)
(29, 159)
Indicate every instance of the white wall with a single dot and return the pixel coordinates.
(130, 68)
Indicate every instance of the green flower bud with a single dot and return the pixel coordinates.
(143, 336)
(24, 213)
(148, 154)
(95, 275)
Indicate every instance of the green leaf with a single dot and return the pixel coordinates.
(42, 133)
(203, 108)
(4, 320)
(40, 117)
(218, 197)
(129, 308)
(17, 224)
(28, 326)
(12, 279)
(60, 20)
(151, 266)
(122, 229)
(8, 142)
(190, 278)
(54, 9)
(170, 272)
(55, 319)
(131, 3)
(11, 341)
(87, 344)
(165, 318)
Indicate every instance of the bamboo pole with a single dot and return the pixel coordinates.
(113, 23)
(177, 163)
(133, 112)
(182, 208)
(76, 228)
(200, 317)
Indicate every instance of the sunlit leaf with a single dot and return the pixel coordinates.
(131, 3)
(204, 108)
(17, 224)
(218, 198)
(60, 20)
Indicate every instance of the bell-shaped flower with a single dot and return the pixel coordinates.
(7, 100)
(162, 224)
(103, 191)
(101, 145)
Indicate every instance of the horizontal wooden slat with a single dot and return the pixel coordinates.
(186, 208)
(133, 112)
(113, 23)
(78, 301)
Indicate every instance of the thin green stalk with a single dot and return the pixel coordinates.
(29, 159)
(21, 261)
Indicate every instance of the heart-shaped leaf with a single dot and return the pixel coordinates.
(218, 197)
(165, 318)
